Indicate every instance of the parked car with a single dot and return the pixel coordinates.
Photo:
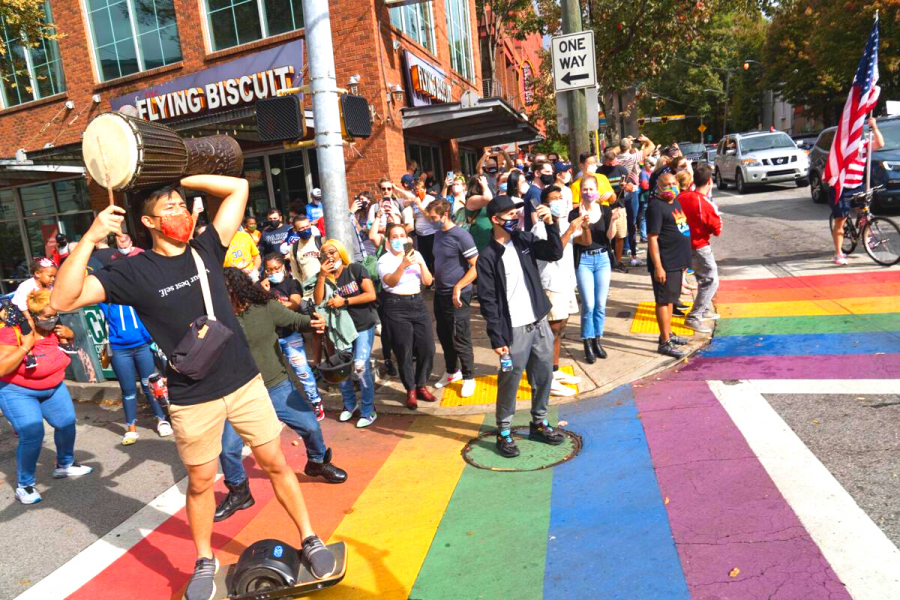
(757, 158)
(885, 166)
(805, 141)
(691, 151)
(708, 157)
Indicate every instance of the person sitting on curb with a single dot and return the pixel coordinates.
(515, 309)
(670, 255)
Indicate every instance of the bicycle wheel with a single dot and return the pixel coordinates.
(881, 239)
(849, 243)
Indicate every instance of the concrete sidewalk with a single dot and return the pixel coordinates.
(631, 357)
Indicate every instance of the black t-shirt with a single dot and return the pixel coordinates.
(165, 292)
(271, 240)
(668, 221)
(599, 240)
(349, 283)
(283, 291)
(618, 176)
(452, 251)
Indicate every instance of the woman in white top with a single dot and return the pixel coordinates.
(403, 272)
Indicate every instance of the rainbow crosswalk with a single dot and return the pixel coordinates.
(681, 489)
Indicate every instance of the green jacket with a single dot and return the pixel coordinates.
(259, 323)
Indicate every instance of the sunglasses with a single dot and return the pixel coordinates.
(386, 189)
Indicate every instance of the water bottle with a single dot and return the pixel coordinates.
(506, 363)
(159, 389)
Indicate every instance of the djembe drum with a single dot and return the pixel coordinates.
(139, 154)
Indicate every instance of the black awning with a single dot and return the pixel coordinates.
(489, 122)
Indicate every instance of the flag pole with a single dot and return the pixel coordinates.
(869, 138)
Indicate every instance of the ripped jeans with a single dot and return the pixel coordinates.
(129, 363)
(293, 349)
(362, 349)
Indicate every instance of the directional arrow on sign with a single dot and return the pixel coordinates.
(569, 78)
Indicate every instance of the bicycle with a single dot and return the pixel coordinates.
(881, 235)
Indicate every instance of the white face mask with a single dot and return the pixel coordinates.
(592, 168)
(567, 177)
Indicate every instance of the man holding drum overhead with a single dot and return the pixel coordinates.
(166, 289)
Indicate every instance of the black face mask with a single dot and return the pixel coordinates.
(491, 170)
(274, 223)
(547, 179)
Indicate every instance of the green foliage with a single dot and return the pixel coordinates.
(26, 16)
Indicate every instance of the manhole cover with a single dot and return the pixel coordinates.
(534, 456)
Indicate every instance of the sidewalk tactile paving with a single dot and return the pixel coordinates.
(486, 390)
(645, 321)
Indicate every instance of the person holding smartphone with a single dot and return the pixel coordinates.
(403, 272)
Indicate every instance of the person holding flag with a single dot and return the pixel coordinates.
(848, 159)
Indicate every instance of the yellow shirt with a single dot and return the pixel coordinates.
(241, 251)
(604, 189)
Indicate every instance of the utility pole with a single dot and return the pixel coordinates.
(327, 121)
(725, 108)
(579, 140)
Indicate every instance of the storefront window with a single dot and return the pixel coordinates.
(468, 159)
(255, 174)
(29, 73)
(72, 195)
(416, 21)
(236, 22)
(460, 38)
(289, 181)
(13, 262)
(133, 35)
(428, 157)
(37, 200)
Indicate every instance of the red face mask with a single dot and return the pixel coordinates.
(178, 226)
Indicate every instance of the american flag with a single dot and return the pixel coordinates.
(846, 168)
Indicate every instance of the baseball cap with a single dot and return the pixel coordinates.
(407, 179)
(501, 204)
(316, 193)
(561, 167)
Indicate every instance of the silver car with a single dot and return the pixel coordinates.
(747, 159)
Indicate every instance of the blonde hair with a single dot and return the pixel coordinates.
(685, 180)
(345, 258)
(38, 300)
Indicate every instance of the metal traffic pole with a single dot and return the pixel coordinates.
(327, 121)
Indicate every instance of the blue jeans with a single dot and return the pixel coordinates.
(292, 347)
(292, 410)
(26, 410)
(128, 363)
(643, 202)
(631, 211)
(362, 349)
(593, 275)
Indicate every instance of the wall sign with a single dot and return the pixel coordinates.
(232, 84)
(425, 83)
(527, 83)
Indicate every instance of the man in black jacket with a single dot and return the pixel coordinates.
(515, 308)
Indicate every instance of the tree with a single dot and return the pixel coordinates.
(23, 18)
(814, 46)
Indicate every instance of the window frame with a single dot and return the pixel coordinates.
(29, 65)
(263, 25)
(403, 28)
(464, 21)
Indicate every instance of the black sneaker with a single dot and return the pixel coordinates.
(202, 585)
(542, 432)
(507, 446)
(318, 557)
(389, 369)
(680, 310)
(679, 340)
(669, 349)
(621, 268)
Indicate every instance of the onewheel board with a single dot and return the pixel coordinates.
(306, 583)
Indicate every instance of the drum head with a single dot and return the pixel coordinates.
(120, 146)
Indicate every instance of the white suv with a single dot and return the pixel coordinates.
(757, 158)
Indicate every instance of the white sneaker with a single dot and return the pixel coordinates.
(468, 388)
(697, 326)
(163, 429)
(73, 470)
(447, 379)
(366, 421)
(711, 315)
(346, 415)
(130, 437)
(558, 389)
(563, 377)
(840, 259)
(27, 495)
(636, 262)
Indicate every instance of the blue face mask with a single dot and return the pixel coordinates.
(510, 225)
(305, 234)
(502, 187)
(397, 245)
(276, 278)
(125, 250)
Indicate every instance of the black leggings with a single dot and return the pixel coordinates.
(409, 326)
(425, 246)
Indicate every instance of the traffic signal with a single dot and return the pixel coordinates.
(746, 66)
(664, 120)
(356, 118)
(280, 119)
(641, 122)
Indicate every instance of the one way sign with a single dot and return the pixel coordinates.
(574, 63)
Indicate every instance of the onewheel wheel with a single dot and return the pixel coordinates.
(849, 243)
(881, 239)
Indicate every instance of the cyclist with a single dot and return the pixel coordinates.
(840, 207)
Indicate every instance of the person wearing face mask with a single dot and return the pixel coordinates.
(243, 254)
(517, 187)
(492, 165)
(558, 280)
(289, 293)
(403, 274)
(472, 217)
(543, 177)
(455, 255)
(31, 395)
(314, 209)
(515, 310)
(670, 255)
(163, 287)
(592, 263)
(588, 166)
(454, 192)
(251, 227)
(304, 252)
(274, 235)
(704, 220)
(563, 173)
(424, 227)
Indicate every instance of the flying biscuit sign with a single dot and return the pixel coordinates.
(233, 84)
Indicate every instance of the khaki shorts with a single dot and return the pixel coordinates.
(198, 427)
(622, 226)
(559, 306)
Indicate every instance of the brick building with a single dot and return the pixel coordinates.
(199, 66)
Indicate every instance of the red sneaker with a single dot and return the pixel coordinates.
(411, 400)
(423, 394)
(319, 411)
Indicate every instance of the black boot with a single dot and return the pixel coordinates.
(589, 357)
(598, 349)
(238, 498)
(325, 469)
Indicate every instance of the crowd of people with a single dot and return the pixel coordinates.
(220, 318)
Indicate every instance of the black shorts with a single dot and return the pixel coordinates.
(670, 291)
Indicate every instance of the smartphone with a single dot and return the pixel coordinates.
(24, 326)
(407, 247)
(449, 174)
(198, 204)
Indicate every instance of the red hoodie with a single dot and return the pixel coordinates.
(702, 217)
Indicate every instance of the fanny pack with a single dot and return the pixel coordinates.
(200, 348)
